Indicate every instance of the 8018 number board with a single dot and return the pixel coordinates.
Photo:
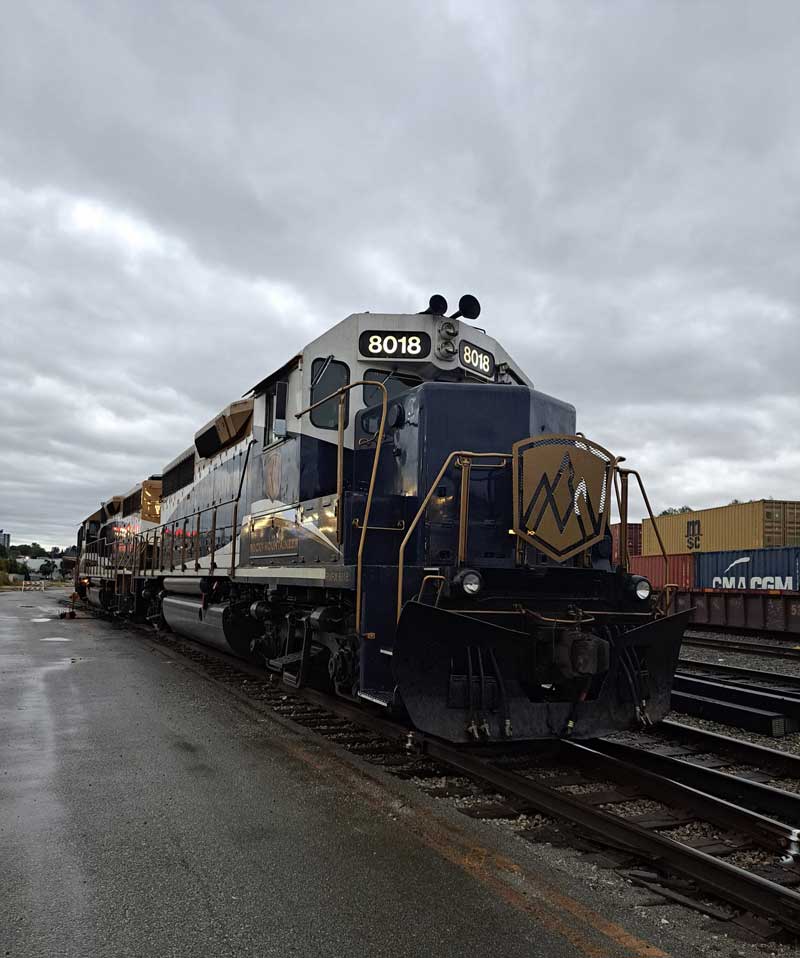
(379, 344)
(476, 359)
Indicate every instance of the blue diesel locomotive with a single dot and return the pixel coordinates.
(397, 515)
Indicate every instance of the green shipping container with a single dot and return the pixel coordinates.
(763, 524)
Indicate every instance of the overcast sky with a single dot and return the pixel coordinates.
(191, 191)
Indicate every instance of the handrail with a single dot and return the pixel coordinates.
(424, 505)
(340, 473)
(632, 472)
(173, 524)
(431, 578)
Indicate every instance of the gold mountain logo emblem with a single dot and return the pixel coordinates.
(562, 493)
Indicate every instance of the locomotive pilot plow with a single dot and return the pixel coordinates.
(463, 678)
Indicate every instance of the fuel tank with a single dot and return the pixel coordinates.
(96, 596)
(216, 625)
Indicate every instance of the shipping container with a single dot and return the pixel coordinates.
(634, 540)
(752, 569)
(763, 524)
(679, 570)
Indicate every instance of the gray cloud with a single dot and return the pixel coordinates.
(188, 192)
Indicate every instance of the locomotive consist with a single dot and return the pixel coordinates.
(397, 515)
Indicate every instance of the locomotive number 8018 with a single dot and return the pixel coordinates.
(394, 345)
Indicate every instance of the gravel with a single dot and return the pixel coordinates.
(544, 773)
(749, 858)
(694, 831)
(531, 821)
(786, 784)
(475, 801)
(586, 789)
(636, 808)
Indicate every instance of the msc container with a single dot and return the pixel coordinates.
(763, 524)
(634, 540)
(679, 570)
(750, 569)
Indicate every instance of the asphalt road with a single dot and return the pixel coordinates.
(144, 812)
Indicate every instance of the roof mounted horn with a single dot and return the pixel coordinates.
(468, 307)
(437, 306)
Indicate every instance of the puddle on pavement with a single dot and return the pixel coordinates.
(40, 620)
(55, 638)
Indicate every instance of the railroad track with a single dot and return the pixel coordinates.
(738, 675)
(787, 651)
(753, 699)
(688, 818)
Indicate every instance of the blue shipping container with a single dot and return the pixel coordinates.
(756, 569)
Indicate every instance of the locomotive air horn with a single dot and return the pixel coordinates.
(436, 307)
(468, 307)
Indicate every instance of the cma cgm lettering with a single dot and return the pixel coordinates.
(752, 569)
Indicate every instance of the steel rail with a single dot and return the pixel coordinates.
(749, 648)
(628, 768)
(749, 751)
(734, 672)
(729, 882)
(739, 693)
(744, 792)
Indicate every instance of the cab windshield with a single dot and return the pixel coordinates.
(394, 382)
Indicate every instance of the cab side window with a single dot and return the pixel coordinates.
(328, 375)
(269, 418)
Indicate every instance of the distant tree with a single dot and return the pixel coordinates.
(46, 569)
(676, 510)
(32, 551)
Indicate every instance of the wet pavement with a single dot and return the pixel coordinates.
(144, 812)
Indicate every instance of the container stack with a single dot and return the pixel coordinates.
(764, 524)
(748, 546)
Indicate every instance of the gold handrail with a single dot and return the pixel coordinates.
(424, 505)
(431, 578)
(340, 473)
(463, 510)
(633, 472)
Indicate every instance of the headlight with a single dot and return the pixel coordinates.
(470, 581)
(642, 588)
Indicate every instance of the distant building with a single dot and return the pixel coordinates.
(5, 539)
